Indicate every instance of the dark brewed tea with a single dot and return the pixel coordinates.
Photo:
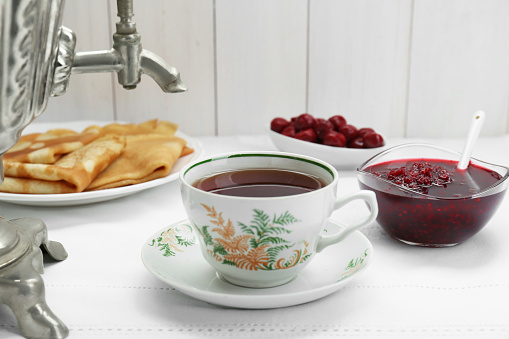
(259, 183)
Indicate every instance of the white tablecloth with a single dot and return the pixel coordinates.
(103, 290)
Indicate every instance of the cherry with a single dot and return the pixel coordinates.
(289, 131)
(306, 135)
(349, 131)
(356, 143)
(323, 126)
(363, 131)
(308, 128)
(333, 138)
(372, 140)
(279, 124)
(304, 121)
(337, 121)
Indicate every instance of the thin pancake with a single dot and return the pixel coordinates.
(47, 148)
(72, 173)
(151, 126)
(146, 157)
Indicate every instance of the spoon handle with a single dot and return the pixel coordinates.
(473, 133)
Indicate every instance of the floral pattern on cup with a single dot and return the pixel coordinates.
(174, 240)
(261, 246)
(354, 265)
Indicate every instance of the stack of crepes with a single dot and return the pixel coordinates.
(115, 155)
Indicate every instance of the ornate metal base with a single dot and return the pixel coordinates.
(21, 286)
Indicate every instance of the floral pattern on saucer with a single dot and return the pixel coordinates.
(174, 239)
(354, 265)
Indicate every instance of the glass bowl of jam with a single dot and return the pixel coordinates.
(425, 200)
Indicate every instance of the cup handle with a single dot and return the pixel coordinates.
(365, 195)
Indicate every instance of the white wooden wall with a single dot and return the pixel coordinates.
(415, 68)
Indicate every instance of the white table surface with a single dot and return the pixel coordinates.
(103, 290)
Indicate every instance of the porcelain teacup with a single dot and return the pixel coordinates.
(261, 242)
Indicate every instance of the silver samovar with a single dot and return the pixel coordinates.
(36, 60)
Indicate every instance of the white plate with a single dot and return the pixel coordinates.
(71, 199)
(339, 157)
(173, 255)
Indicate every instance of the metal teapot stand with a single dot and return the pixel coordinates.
(21, 284)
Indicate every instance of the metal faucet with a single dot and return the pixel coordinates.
(36, 60)
(127, 57)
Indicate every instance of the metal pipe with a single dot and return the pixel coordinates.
(97, 62)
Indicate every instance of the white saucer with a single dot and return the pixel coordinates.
(173, 255)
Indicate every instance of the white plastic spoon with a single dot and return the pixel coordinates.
(473, 134)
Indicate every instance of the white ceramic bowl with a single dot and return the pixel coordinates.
(339, 157)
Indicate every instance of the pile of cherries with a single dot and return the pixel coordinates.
(334, 131)
(419, 176)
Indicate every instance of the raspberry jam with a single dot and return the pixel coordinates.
(427, 202)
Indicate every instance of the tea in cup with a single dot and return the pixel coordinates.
(259, 215)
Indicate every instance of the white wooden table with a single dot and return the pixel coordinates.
(103, 290)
